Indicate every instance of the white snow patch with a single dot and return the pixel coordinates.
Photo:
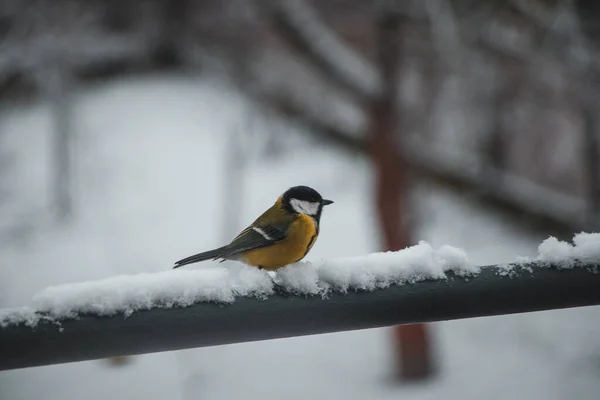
(18, 315)
(585, 249)
(555, 251)
(456, 260)
(300, 278)
(218, 283)
(377, 270)
(126, 294)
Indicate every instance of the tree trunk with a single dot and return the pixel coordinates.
(58, 91)
(412, 350)
(591, 154)
(588, 13)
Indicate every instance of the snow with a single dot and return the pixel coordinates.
(212, 282)
(584, 250)
(377, 270)
(126, 294)
(19, 315)
(224, 282)
(554, 250)
(149, 190)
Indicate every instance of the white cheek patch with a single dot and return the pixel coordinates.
(305, 207)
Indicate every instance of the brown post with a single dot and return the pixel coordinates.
(411, 345)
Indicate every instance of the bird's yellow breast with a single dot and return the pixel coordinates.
(301, 237)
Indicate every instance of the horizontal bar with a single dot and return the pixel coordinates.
(491, 292)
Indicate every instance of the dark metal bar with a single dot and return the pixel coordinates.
(284, 315)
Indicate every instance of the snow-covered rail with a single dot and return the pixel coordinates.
(217, 304)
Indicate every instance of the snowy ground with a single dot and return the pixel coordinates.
(151, 156)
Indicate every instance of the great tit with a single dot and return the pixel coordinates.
(282, 235)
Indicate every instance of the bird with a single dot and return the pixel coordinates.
(282, 235)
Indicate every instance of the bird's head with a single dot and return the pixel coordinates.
(304, 200)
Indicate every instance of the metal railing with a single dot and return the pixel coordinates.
(527, 288)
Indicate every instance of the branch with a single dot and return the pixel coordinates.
(514, 197)
(446, 34)
(329, 131)
(559, 213)
(301, 26)
(563, 24)
(535, 12)
(494, 290)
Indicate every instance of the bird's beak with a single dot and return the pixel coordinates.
(327, 202)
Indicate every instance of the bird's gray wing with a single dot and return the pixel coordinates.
(253, 237)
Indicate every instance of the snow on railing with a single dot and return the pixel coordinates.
(216, 304)
(217, 283)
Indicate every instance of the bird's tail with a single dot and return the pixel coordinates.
(207, 255)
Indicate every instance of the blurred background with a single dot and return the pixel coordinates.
(134, 133)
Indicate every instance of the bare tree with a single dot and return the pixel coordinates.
(57, 86)
(41, 44)
(584, 35)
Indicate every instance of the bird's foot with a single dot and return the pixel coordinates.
(277, 286)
